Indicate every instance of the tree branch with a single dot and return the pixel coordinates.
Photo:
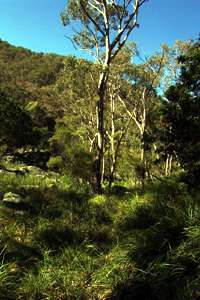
(91, 18)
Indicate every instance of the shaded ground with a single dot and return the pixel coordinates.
(74, 245)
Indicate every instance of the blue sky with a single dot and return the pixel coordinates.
(35, 24)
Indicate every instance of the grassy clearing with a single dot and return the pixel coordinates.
(128, 245)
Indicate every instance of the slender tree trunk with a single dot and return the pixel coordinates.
(112, 143)
(143, 158)
(146, 175)
(155, 150)
(100, 128)
(115, 144)
(142, 154)
(168, 165)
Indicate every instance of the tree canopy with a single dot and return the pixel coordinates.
(182, 111)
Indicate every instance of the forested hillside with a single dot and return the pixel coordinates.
(100, 168)
(37, 68)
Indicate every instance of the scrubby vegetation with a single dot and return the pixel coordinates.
(68, 244)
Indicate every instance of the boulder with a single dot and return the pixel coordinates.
(30, 187)
(12, 198)
(15, 203)
(3, 172)
(34, 170)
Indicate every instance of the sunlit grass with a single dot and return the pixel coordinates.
(83, 246)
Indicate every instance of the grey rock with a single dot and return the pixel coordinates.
(3, 172)
(13, 202)
(30, 187)
(34, 170)
(13, 212)
(12, 198)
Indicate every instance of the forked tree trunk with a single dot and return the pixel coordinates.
(102, 32)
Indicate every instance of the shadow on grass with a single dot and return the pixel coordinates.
(20, 208)
(23, 255)
(141, 218)
(30, 206)
(73, 196)
(125, 192)
(149, 288)
(47, 203)
(155, 232)
(51, 213)
(133, 290)
(102, 238)
(55, 238)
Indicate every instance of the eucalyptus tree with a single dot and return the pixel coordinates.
(102, 28)
(182, 113)
(75, 90)
(140, 101)
(170, 76)
(117, 121)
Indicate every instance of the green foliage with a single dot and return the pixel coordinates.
(36, 68)
(64, 242)
(16, 127)
(69, 154)
(19, 128)
(182, 111)
(55, 163)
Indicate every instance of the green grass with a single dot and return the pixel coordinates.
(77, 245)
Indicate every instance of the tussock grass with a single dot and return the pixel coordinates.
(83, 246)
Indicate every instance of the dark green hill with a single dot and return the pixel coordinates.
(38, 68)
(26, 82)
(24, 73)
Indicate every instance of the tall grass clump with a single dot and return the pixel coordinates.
(63, 277)
(165, 249)
(7, 283)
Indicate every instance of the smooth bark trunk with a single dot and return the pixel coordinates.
(100, 128)
(168, 165)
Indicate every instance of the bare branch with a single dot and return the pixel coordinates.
(132, 114)
(95, 7)
(126, 27)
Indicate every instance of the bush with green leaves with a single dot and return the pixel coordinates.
(181, 114)
(69, 155)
